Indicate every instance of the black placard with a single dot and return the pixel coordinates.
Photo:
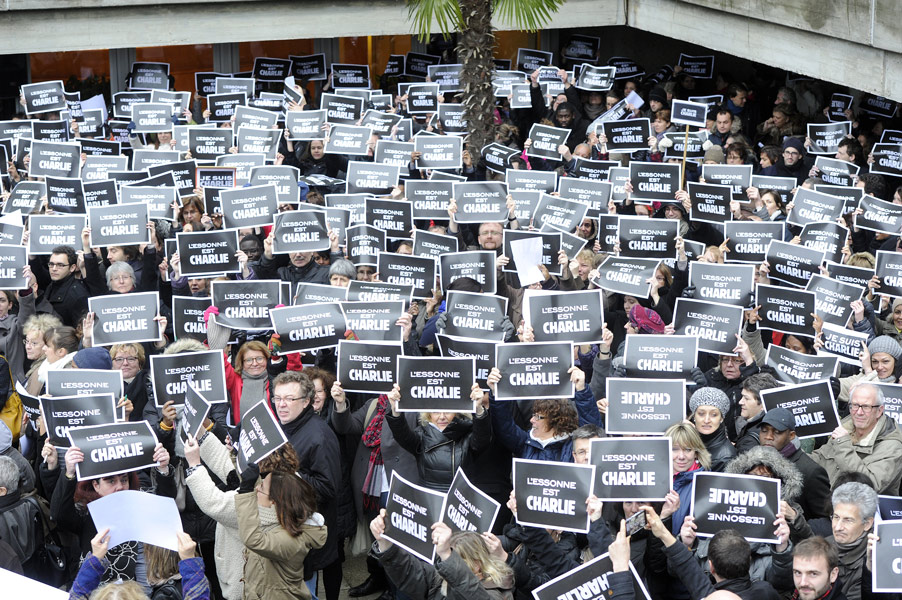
(887, 558)
(305, 124)
(429, 199)
(498, 157)
(395, 65)
(248, 116)
(152, 117)
(529, 60)
(679, 141)
(452, 118)
(836, 172)
(627, 136)
(118, 225)
(260, 436)
(811, 404)
(825, 137)
(249, 206)
(593, 193)
(62, 413)
(845, 344)
(123, 101)
(879, 215)
(483, 352)
(113, 448)
(44, 97)
(655, 181)
(726, 284)
(348, 139)
(206, 253)
(49, 231)
(827, 237)
(889, 507)
(889, 270)
(480, 202)
(368, 367)
(585, 168)
(784, 309)
(311, 67)
(11, 233)
(438, 152)
(378, 291)
(159, 200)
(171, 373)
(206, 144)
(632, 469)
(553, 494)
(401, 269)
(887, 159)
(65, 195)
(716, 326)
(560, 213)
(546, 140)
(253, 140)
(271, 69)
(96, 167)
(810, 206)
(50, 131)
(551, 246)
(627, 276)
(55, 159)
(195, 411)
(309, 293)
(373, 320)
(793, 264)
(205, 82)
(592, 578)
(833, 299)
(342, 110)
(411, 512)
(565, 317)
(392, 153)
(239, 83)
(188, 317)
(534, 371)
(364, 244)
(700, 67)
(635, 409)
(544, 181)
(125, 318)
(467, 508)
(25, 197)
(647, 238)
(350, 76)
(795, 367)
(306, 327)
(478, 265)
(710, 202)
(738, 177)
(596, 79)
(748, 241)
(215, 177)
(367, 177)
(222, 107)
(746, 503)
(693, 114)
(12, 261)
(422, 98)
(149, 76)
(300, 231)
(660, 356)
(581, 47)
(436, 385)
(475, 316)
(394, 217)
(245, 304)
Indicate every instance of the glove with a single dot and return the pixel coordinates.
(688, 292)
(175, 120)
(441, 321)
(274, 344)
(698, 377)
(211, 310)
(509, 330)
(249, 479)
(130, 128)
(620, 371)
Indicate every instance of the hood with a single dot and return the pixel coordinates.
(785, 471)
(315, 531)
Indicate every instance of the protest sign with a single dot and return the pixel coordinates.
(394, 217)
(632, 469)
(364, 177)
(260, 436)
(368, 367)
(546, 140)
(825, 138)
(65, 195)
(433, 244)
(49, 231)
(827, 237)
(887, 159)
(84, 382)
(889, 270)
(584, 168)
(251, 140)
(123, 102)
(149, 76)
(308, 293)
(207, 144)
(700, 67)
(44, 97)
(50, 131)
(413, 270)
(627, 276)
(738, 177)
(593, 193)
(836, 172)
(892, 407)
(310, 67)
(429, 199)
(348, 139)
(726, 284)
(717, 326)
(833, 299)
(647, 238)
(845, 344)
(879, 215)
(748, 241)
(692, 114)
(152, 117)
(679, 143)
(793, 264)
(436, 385)
(309, 326)
(250, 206)
(521, 96)
(477, 265)
(550, 246)
(545, 181)
(97, 167)
(238, 83)
(13, 260)
(341, 110)
(373, 321)
(627, 136)
(526, 202)
(581, 47)
(364, 244)
(411, 510)
(811, 404)
(438, 152)
(784, 309)
(305, 124)
(119, 225)
(590, 578)
(245, 304)
(422, 98)
(194, 413)
(300, 231)
(113, 448)
(660, 356)
(54, 159)
(125, 318)
(655, 181)
(746, 503)
(207, 253)
(61, 413)
(392, 153)
(284, 177)
(170, 374)
(480, 202)
(534, 371)
(633, 409)
(476, 316)
(596, 79)
(565, 317)
(222, 107)
(26, 198)
(560, 213)
(795, 367)
(159, 200)
(188, 317)
(467, 508)
(710, 202)
(553, 494)
(529, 60)
(886, 572)
(810, 206)
(482, 351)
(498, 157)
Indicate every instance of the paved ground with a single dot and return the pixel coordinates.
(354, 574)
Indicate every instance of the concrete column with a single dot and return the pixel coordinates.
(121, 60)
(226, 58)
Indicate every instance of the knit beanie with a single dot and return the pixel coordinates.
(93, 358)
(710, 396)
(794, 142)
(887, 345)
(714, 154)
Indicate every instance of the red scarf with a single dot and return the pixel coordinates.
(372, 439)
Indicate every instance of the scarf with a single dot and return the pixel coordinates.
(372, 439)
(851, 562)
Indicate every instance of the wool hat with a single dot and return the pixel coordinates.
(885, 344)
(646, 320)
(714, 154)
(93, 358)
(794, 142)
(780, 419)
(710, 396)
(658, 93)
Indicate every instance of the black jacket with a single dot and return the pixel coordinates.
(309, 273)
(733, 389)
(748, 437)
(722, 451)
(69, 297)
(440, 453)
(682, 562)
(815, 485)
(318, 452)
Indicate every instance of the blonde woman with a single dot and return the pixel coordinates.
(689, 456)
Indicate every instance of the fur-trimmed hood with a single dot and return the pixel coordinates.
(785, 471)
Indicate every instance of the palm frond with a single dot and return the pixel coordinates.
(527, 15)
(423, 13)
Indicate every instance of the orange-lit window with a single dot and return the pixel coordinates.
(383, 47)
(48, 66)
(507, 43)
(183, 61)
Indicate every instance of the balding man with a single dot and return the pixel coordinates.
(867, 441)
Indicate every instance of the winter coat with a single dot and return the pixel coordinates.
(722, 451)
(782, 468)
(309, 273)
(440, 453)
(682, 485)
(695, 579)
(747, 436)
(12, 333)
(733, 389)
(877, 455)
(815, 485)
(194, 584)
(275, 560)
(521, 443)
(69, 297)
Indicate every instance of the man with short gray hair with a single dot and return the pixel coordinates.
(867, 441)
(854, 507)
(17, 516)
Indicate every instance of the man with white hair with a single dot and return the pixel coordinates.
(854, 507)
(867, 441)
(17, 516)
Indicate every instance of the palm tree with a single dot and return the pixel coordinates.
(475, 48)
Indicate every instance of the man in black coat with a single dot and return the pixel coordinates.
(67, 295)
(318, 451)
(777, 431)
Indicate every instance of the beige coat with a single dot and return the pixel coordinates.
(877, 455)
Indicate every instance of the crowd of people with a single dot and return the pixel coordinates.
(284, 527)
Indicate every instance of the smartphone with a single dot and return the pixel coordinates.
(635, 523)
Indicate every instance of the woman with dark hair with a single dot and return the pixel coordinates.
(279, 525)
(60, 344)
(191, 213)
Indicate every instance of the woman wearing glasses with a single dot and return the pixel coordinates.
(131, 359)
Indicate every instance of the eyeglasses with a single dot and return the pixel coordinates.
(125, 359)
(865, 408)
(254, 359)
(791, 153)
(55, 265)
(285, 399)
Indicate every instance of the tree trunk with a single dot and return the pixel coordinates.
(475, 51)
